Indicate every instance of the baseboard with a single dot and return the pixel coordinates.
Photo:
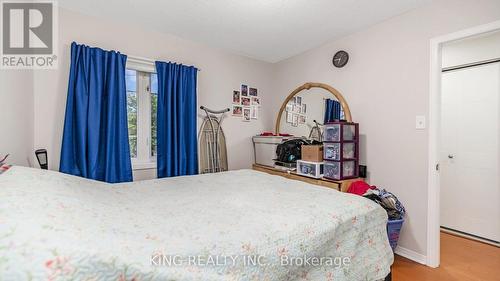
(469, 236)
(409, 254)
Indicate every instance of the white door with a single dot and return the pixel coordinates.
(470, 192)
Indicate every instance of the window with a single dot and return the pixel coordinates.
(131, 85)
(154, 109)
(142, 100)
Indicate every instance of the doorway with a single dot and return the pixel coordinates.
(469, 149)
(436, 152)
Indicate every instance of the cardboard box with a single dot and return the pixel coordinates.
(312, 153)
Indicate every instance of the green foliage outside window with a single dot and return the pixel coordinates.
(132, 122)
(154, 109)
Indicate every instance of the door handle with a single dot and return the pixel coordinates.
(451, 156)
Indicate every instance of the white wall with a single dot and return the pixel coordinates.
(386, 84)
(471, 50)
(16, 116)
(221, 73)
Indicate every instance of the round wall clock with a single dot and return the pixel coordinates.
(340, 59)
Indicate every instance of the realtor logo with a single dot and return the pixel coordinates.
(28, 35)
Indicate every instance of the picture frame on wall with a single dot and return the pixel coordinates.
(297, 108)
(252, 92)
(304, 108)
(236, 97)
(295, 121)
(289, 117)
(254, 112)
(256, 101)
(246, 101)
(302, 119)
(244, 90)
(298, 101)
(237, 110)
(246, 114)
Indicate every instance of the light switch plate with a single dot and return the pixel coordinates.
(420, 122)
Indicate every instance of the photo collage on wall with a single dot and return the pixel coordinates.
(246, 103)
(296, 112)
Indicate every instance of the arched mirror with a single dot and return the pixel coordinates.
(305, 110)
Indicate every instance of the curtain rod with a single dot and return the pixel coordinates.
(145, 60)
(467, 65)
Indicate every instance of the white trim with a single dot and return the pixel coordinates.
(409, 254)
(141, 64)
(433, 240)
(433, 208)
(141, 59)
(469, 237)
(143, 117)
(143, 165)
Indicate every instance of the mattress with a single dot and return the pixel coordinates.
(237, 225)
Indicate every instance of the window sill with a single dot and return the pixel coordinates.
(143, 165)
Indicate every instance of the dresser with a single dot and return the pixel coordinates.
(341, 185)
(298, 116)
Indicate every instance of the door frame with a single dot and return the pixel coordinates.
(433, 184)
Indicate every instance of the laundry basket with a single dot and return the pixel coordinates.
(393, 230)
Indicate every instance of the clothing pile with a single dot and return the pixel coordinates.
(388, 201)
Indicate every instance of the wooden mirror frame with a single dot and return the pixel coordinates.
(307, 86)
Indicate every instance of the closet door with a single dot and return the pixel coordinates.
(470, 192)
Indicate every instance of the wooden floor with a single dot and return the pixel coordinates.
(461, 259)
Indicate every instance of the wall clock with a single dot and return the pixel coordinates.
(340, 59)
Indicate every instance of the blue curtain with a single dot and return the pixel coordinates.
(332, 110)
(95, 139)
(177, 147)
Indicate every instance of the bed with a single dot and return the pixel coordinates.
(237, 225)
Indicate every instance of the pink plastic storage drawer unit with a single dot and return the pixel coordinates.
(340, 170)
(333, 131)
(341, 150)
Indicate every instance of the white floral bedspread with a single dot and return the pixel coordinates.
(239, 225)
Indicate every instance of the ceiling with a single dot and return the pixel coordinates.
(267, 30)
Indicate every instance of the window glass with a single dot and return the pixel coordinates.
(154, 83)
(131, 87)
(131, 80)
(154, 108)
